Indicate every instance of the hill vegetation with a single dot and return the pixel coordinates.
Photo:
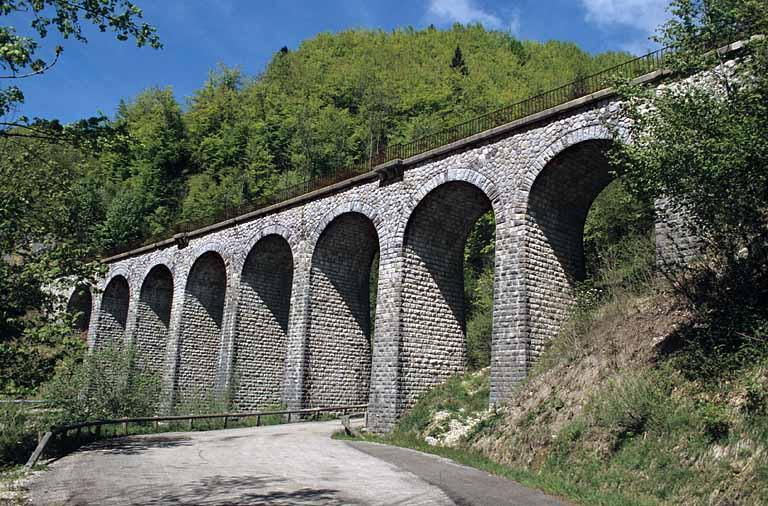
(326, 105)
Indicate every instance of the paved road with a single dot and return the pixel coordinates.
(281, 465)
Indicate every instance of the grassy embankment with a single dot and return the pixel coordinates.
(644, 398)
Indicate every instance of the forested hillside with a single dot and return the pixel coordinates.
(326, 105)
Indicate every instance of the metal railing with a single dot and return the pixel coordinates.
(64, 430)
(632, 69)
(23, 401)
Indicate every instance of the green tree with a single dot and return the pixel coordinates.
(458, 64)
(20, 56)
(48, 210)
(705, 146)
(145, 169)
(46, 233)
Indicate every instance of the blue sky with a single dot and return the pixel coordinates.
(200, 34)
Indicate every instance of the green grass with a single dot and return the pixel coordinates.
(684, 422)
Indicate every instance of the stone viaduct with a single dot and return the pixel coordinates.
(273, 306)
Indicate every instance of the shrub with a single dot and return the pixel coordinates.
(200, 402)
(107, 383)
(632, 405)
(715, 420)
(17, 438)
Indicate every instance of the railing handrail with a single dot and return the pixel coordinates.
(23, 401)
(575, 89)
(63, 429)
(170, 418)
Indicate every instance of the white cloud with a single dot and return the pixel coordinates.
(645, 15)
(464, 11)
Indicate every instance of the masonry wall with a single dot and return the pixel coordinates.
(262, 324)
(81, 303)
(113, 312)
(434, 322)
(153, 319)
(218, 334)
(676, 241)
(339, 340)
(558, 204)
(201, 328)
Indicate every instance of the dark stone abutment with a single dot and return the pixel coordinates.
(434, 343)
(558, 203)
(339, 341)
(113, 313)
(262, 324)
(153, 319)
(201, 329)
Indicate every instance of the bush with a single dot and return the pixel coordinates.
(632, 405)
(201, 402)
(29, 360)
(480, 321)
(729, 329)
(17, 439)
(107, 383)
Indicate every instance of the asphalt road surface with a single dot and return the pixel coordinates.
(281, 465)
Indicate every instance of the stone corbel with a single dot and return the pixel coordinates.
(181, 240)
(390, 171)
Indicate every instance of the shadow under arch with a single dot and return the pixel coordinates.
(81, 304)
(339, 341)
(261, 337)
(557, 207)
(201, 328)
(113, 313)
(433, 340)
(153, 318)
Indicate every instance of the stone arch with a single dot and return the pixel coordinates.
(201, 326)
(596, 132)
(339, 341)
(353, 206)
(215, 246)
(153, 317)
(262, 321)
(433, 339)
(80, 303)
(561, 187)
(277, 229)
(113, 312)
(466, 175)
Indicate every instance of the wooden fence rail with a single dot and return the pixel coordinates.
(79, 426)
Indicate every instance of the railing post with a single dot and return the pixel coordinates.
(258, 420)
(226, 419)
